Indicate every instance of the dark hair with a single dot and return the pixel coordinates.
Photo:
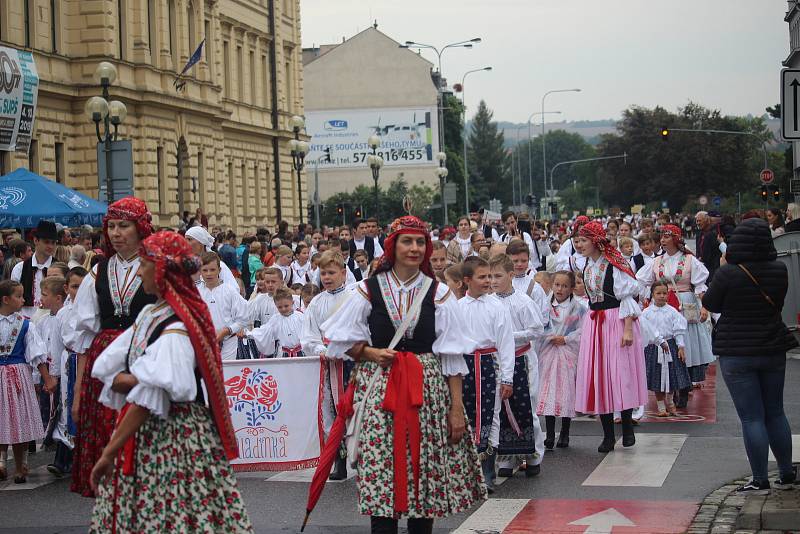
(506, 214)
(518, 247)
(372, 220)
(7, 288)
(472, 264)
(344, 246)
(77, 271)
(356, 222)
(569, 274)
(61, 266)
(779, 218)
(208, 257)
(299, 248)
(19, 247)
(658, 283)
(455, 272)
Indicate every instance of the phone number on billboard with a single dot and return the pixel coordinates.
(418, 154)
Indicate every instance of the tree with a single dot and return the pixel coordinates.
(454, 146)
(489, 175)
(390, 201)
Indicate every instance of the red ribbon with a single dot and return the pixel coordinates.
(403, 398)
(129, 449)
(520, 351)
(598, 317)
(292, 352)
(673, 300)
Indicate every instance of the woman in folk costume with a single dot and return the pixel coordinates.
(437, 473)
(460, 247)
(568, 258)
(611, 371)
(686, 277)
(107, 303)
(166, 466)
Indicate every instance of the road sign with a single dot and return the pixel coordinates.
(450, 193)
(121, 159)
(767, 176)
(790, 103)
(703, 200)
(717, 201)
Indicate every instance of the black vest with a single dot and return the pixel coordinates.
(27, 279)
(369, 248)
(487, 231)
(382, 330)
(609, 300)
(108, 320)
(638, 261)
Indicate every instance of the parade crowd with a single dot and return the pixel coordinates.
(446, 343)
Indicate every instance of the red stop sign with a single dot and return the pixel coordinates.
(767, 176)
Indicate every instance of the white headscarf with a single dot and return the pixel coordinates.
(198, 233)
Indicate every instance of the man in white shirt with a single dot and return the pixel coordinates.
(536, 248)
(361, 241)
(31, 271)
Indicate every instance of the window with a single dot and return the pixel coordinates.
(232, 192)
(59, 163)
(266, 88)
(245, 187)
(252, 75)
(190, 28)
(239, 74)
(28, 21)
(259, 210)
(173, 45)
(33, 156)
(289, 88)
(201, 179)
(161, 181)
(209, 52)
(122, 7)
(226, 60)
(152, 32)
(55, 25)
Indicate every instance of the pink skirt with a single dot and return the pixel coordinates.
(557, 370)
(20, 419)
(610, 377)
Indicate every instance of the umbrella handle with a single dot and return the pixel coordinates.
(305, 521)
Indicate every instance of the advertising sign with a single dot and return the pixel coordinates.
(409, 136)
(19, 89)
(276, 411)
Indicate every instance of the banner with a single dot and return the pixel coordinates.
(276, 410)
(19, 89)
(409, 136)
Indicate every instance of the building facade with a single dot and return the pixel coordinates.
(369, 85)
(228, 128)
(792, 61)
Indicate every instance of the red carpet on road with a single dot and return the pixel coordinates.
(617, 517)
(702, 407)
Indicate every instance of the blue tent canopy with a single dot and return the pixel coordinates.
(26, 198)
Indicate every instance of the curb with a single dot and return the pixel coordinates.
(719, 510)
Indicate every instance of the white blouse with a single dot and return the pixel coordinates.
(526, 318)
(568, 259)
(228, 308)
(49, 328)
(625, 286)
(521, 285)
(349, 326)
(322, 308)
(465, 244)
(699, 273)
(489, 323)
(35, 349)
(164, 370)
(301, 272)
(668, 322)
(280, 331)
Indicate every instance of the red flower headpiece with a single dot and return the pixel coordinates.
(594, 232)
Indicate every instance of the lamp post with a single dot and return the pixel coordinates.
(544, 150)
(113, 113)
(375, 163)
(442, 172)
(530, 165)
(299, 150)
(464, 117)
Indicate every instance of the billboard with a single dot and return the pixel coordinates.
(409, 136)
(19, 88)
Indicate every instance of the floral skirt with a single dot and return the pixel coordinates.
(20, 421)
(95, 421)
(182, 481)
(450, 475)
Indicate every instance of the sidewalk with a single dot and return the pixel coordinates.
(724, 512)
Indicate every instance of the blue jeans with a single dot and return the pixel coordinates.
(756, 387)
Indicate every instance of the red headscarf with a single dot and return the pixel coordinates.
(175, 263)
(580, 221)
(594, 232)
(677, 237)
(406, 225)
(127, 209)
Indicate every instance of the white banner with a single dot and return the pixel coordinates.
(276, 410)
(19, 89)
(409, 136)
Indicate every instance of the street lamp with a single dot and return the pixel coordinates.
(113, 113)
(544, 150)
(375, 163)
(464, 114)
(442, 172)
(299, 150)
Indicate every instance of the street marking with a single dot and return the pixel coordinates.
(36, 478)
(795, 449)
(603, 522)
(492, 517)
(304, 475)
(646, 464)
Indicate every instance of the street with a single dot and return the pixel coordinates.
(655, 486)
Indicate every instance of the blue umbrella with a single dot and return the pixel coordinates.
(26, 198)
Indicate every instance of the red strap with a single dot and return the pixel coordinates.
(522, 350)
(129, 449)
(292, 352)
(403, 398)
(673, 300)
(598, 318)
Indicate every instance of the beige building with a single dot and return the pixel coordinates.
(369, 85)
(230, 123)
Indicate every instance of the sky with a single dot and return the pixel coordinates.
(723, 54)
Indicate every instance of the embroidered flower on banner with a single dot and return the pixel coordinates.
(255, 394)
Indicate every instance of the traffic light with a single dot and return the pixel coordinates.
(665, 134)
(311, 214)
(764, 193)
(776, 193)
(358, 213)
(339, 209)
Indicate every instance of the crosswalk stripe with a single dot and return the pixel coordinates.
(303, 475)
(795, 449)
(492, 517)
(647, 464)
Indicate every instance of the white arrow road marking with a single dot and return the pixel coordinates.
(492, 517)
(603, 522)
(646, 464)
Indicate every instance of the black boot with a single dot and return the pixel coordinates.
(550, 431)
(420, 526)
(383, 525)
(607, 420)
(563, 436)
(683, 398)
(628, 438)
(340, 469)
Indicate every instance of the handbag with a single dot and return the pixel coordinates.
(352, 437)
(689, 310)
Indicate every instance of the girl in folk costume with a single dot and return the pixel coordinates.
(686, 277)
(20, 349)
(460, 247)
(166, 465)
(281, 335)
(558, 358)
(568, 258)
(437, 473)
(665, 356)
(611, 374)
(107, 303)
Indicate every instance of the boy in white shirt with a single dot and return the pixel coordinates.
(301, 266)
(228, 308)
(280, 336)
(524, 279)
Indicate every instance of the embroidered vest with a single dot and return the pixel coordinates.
(682, 276)
(605, 300)
(109, 320)
(27, 280)
(382, 329)
(17, 353)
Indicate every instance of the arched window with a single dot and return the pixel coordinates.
(190, 29)
(122, 24)
(173, 45)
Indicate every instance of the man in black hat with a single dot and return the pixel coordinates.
(31, 271)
